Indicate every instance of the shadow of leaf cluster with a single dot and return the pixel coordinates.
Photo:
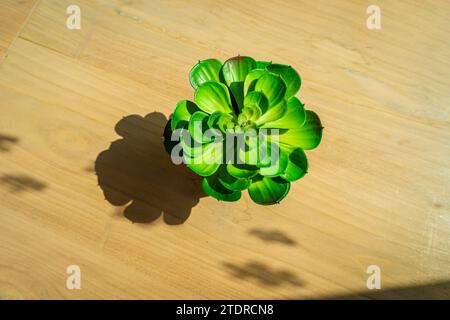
(136, 172)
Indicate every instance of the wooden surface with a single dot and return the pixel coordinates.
(74, 175)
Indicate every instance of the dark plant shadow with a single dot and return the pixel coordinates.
(19, 183)
(430, 291)
(272, 236)
(6, 141)
(263, 274)
(136, 172)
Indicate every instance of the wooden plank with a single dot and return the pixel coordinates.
(13, 15)
(377, 190)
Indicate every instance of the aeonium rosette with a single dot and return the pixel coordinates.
(246, 129)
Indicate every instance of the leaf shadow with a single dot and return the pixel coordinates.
(263, 274)
(20, 182)
(6, 141)
(272, 236)
(137, 173)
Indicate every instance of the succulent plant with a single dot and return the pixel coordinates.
(241, 96)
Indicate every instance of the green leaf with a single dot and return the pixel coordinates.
(190, 147)
(237, 68)
(273, 88)
(221, 121)
(268, 148)
(193, 149)
(248, 153)
(213, 96)
(203, 169)
(262, 64)
(294, 117)
(183, 112)
(206, 162)
(213, 120)
(290, 77)
(278, 166)
(273, 113)
(231, 182)
(233, 72)
(212, 187)
(204, 71)
(266, 190)
(257, 99)
(242, 171)
(297, 165)
(251, 113)
(198, 124)
(306, 137)
(251, 78)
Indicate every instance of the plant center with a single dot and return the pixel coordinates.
(244, 123)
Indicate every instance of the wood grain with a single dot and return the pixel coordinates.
(12, 18)
(81, 115)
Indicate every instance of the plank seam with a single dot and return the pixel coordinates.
(25, 22)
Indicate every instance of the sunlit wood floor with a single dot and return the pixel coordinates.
(84, 180)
